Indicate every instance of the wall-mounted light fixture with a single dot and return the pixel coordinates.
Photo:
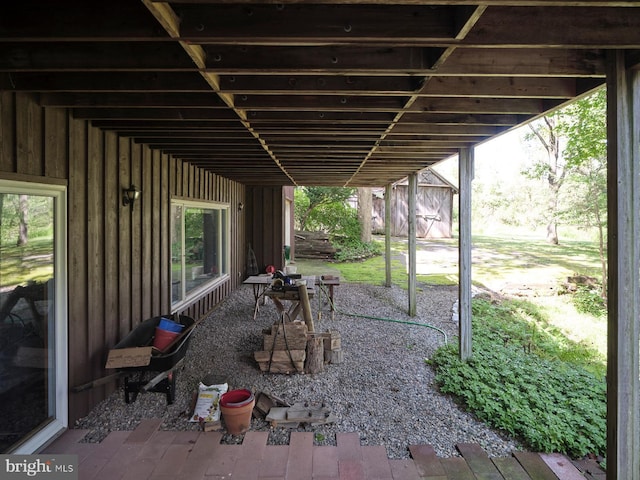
(130, 195)
(240, 206)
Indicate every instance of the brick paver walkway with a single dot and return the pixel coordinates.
(151, 454)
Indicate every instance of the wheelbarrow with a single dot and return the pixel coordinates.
(160, 374)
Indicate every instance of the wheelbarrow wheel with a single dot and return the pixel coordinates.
(171, 387)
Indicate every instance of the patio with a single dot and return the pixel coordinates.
(148, 453)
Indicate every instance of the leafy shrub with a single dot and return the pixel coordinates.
(587, 300)
(516, 381)
(340, 221)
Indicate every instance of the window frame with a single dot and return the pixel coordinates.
(189, 297)
(60, 420)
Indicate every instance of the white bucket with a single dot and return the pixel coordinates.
(290, 269)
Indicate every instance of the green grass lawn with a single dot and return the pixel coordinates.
(498, 260)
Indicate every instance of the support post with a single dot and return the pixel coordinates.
(411, 244)
(387, 235)
(465, 166)
(623, 396)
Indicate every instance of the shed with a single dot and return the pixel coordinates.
(434, 207)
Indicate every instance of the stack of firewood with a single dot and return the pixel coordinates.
(284, 349)
(290, 348)
(314, 245)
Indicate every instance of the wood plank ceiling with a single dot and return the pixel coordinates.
(326, 93)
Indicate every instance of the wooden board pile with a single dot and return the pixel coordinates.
(314, 245)
(290, 348)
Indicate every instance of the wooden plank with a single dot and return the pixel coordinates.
(111, 246)
(28, 136)
(79, 369)
(478, 461)
(561, 466)
(387, 234)
(465, 167)
(281, 367)
(534, 466)
(156, 235)
(7, 132)
(411, 244)
(457, 468)
(56, 135)
(129, 357)
(510, 468)
(145, 208)
(165, 234)
(95, 248)
(279, 355)
(135, 228)
(623, 391)
(124, 240)
(427, 462)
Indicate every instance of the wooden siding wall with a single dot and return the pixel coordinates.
(431, 200)
(118, 257)
(266, 231)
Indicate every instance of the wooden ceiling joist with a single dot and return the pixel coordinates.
(331, 92)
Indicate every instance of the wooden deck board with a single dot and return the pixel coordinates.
(427, 462)
(457, 468)
(510, 468)
(535, 466)
(479, 462)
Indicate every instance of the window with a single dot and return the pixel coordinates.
(33, 315)
(199, 248)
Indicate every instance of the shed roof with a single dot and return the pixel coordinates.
(355, 93)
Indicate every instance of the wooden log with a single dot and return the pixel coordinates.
(314, 362)
(281, 367)
(296, 337)
(332, 340)
(306, 307)
(280, 355)
(333, 356)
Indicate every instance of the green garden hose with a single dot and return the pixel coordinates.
(444, 334)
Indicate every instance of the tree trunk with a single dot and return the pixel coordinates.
(365, 209)
(314, 361)
(23, 217)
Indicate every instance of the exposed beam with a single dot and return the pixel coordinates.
(309, 24)
(593, 27)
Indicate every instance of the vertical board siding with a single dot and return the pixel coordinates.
(56, 144)
(156, 232)
(95, 251)
(146, 234)
(79, 354)
(124, 239)
(111, 247)
(119, 258)
(29, 136)
(266, 225)
(7, 132)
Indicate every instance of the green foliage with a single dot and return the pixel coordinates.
(587, 300)
(307, 199)
(527, 379)
(325, 209)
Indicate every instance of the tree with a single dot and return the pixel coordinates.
(552, 168)
(365, 208)
(308, 199)
(23, 217)
(586, 156)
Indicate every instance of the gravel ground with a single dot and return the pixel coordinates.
(383, 390)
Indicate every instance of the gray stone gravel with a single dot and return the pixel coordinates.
(383, 390)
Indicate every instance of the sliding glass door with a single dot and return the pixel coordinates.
(33, 344)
